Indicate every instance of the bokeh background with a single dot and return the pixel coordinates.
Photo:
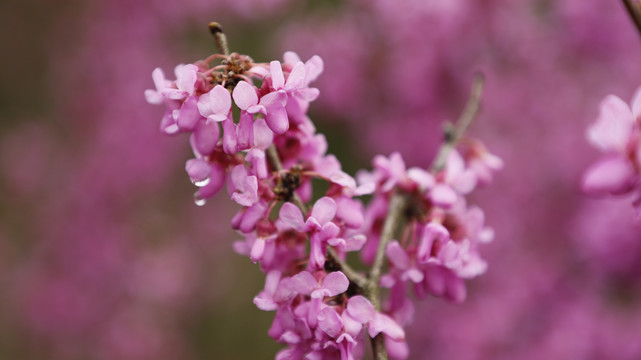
(103, 254)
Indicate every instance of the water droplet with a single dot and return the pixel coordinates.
(198, 200)
(201, 183)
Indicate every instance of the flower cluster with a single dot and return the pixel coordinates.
(616, 132)
(439, 245)
(269, 153)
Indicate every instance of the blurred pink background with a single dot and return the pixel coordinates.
(103, 254)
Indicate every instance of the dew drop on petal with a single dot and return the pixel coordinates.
(201, 183)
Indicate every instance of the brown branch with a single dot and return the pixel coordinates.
(634, 10)
(395, 217)
(219, 37)
(453, 133)
(353, 276)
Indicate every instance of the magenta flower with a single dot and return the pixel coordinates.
(333, 284)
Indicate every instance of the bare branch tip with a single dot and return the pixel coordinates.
(215, 28)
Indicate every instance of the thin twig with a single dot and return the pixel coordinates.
(219, 37)
(399, 203)
(634, 10)
(352, 275)
(453, 133)
(395, 217)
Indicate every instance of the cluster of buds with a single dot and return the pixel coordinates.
(616, 132)
(268, 155)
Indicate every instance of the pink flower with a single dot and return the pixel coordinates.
(245, 187)
(319, 224)
(616, 132)
(333, 284)
(272, 105)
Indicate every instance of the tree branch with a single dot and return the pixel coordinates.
(353, 276)
(634, 10)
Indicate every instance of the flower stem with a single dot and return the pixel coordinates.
(395, 217)
(352, 275)
(396, 214)
(454, 133)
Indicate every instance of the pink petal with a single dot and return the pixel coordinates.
(360, 309)
(443, 195)
(296, 78)
(304, 283)
(413, 274)
(387, 325)
(465, 182)
(263, 136)
(278, 79)
(216, 182)
(612, 128)
(313, 68)
(158, 76)
(245, 95)
(290, 214)
(153, 97)
(308, 94)
(351, 326)
(612, 174)
(454, 165)
(422, 178)
(330, 322)
(397, 255)
(290, 57)
(245, 131)
(205, 138)
(265, 303)
(277, 120)
(257, 250)
(328, 231)
(435, 279)
(238, 174)
(432, 232)
(186, 76)
(230, 136)
(397, 350)
(258, 161)
(336, 283)
(189, 116)
(350, 212)
(251, 217)
(273, 100)
(355, 243)
(454, 288)
(317, 258)
(198, 171)
(324, 210)
(220, 102)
